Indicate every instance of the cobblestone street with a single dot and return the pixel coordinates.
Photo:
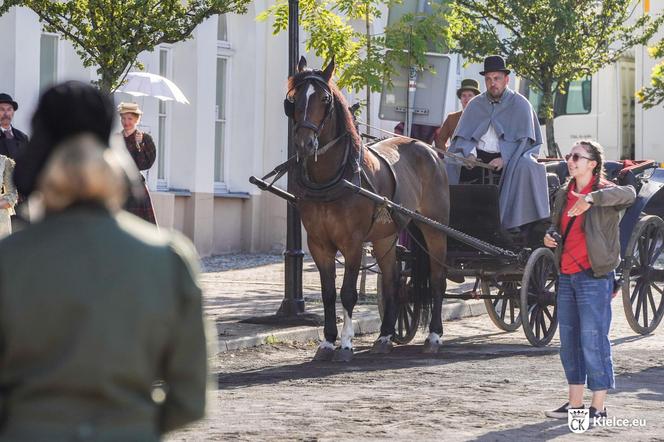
(485, 385)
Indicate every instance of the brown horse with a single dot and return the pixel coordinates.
(330, 151)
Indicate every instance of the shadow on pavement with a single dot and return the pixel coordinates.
(650, 379)
(545, 430)
(628, 339)
(402, 357)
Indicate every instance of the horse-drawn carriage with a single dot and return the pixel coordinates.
(342, 194)
(525, 273)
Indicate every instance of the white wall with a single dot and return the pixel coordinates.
(649, 127)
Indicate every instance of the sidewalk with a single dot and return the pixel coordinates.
(237, 287)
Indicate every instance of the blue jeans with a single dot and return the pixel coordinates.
(584, 316)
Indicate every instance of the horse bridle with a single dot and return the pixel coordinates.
(289, 104)
(333, 188)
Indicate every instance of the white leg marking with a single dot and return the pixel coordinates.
(385, 339)
(434, 338)
(347, 332)
(326, 345)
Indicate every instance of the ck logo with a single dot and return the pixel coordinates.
(578, 420)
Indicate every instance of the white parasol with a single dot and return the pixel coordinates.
(145, 84)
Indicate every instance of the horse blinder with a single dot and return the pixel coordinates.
(289, 107)
(289, 101)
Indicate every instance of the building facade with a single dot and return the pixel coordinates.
(233, 71)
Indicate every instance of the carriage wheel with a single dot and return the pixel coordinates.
(538, 293)
(409, 305)
(504, 309)
(643, 290)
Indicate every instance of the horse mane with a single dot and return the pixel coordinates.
(342, 113)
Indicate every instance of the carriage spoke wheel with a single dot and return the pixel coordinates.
(538, 297)
(643, 290)
(504, 308)
(409, 305)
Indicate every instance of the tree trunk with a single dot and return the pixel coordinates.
(363, 274)
(547, 107)
(368, 87)
(105, 83)
(552, 146)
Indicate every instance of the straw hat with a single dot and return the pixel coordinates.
(129, 108)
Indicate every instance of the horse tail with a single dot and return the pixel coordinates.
(421, 273)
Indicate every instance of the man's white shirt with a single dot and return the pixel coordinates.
(488, 142)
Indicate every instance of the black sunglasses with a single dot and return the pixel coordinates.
(575, 157)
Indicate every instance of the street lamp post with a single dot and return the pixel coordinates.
(291, 311)
(293, 303)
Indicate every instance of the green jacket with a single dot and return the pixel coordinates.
(601, 224)
(94, 310)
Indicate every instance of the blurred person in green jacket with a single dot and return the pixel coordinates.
(101, 326)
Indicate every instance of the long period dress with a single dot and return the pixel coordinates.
(8, 194)
(144, 155)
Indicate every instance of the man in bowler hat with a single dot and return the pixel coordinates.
(469, 89)
(500, 127)
(12, 140)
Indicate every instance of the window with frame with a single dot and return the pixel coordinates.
(224, 54)
(575, 101)
(222, 28)
(220, 119)
(163, 119)
(48, 60)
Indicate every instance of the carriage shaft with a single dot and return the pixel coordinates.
(452, 233)
(272, 189)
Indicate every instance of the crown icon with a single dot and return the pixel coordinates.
(578, 412)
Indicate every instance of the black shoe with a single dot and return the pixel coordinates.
(561, 413)
(593, 413)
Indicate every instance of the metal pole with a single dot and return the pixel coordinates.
(293, 302)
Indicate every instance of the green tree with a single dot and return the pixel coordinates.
(549, 42)
(653, 95)
(110, 34)
(364, 60)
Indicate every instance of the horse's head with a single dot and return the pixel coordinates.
(310, 102)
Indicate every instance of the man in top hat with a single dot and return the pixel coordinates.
(500, 127)
(12, 140)
(468, 90)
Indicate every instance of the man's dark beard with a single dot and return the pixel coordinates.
(499, 96)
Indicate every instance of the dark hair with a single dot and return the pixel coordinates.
(63, 111)
(596, 152)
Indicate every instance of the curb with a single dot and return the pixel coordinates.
(365, 323)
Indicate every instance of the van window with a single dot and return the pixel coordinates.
(577, 98)
(575, 101)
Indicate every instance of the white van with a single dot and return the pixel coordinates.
(601, 107)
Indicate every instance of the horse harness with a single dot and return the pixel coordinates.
(351, 164)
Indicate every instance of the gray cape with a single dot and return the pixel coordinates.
(524, 195)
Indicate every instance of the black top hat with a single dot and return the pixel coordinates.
(494, 63)
(89, 111)
(468, 84)
(6, 98)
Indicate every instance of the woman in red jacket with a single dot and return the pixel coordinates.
(585, 233)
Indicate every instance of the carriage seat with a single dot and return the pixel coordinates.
(622, 173)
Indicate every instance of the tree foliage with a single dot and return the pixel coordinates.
(653, 95)
(110, 34)
(549, 42)
(363, 60)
